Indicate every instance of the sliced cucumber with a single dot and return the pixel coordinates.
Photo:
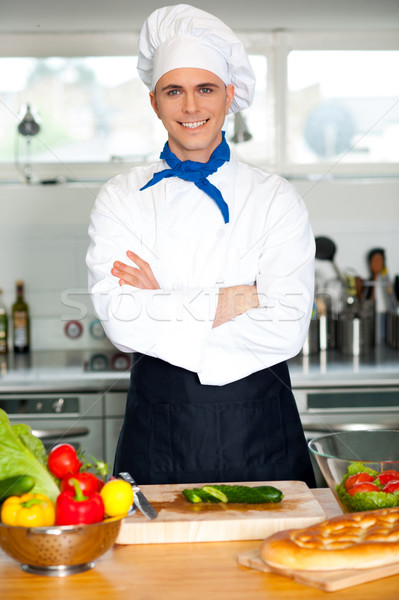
(216, 492)
(198, 495)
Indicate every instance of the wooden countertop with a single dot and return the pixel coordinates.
(196, 571)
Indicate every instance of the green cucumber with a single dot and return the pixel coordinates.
(197, 495)
(215, 492)
(234, 494)
(15, 486)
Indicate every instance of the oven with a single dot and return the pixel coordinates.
(329, 410)
(60, 418)
(114, 411)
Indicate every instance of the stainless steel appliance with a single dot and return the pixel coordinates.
(55, 418)
(114, 410)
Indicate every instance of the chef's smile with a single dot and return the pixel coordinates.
(194, 124)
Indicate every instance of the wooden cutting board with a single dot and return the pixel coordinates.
(180, 521)
(328, 581)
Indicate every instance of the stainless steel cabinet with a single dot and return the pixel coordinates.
(114, 410)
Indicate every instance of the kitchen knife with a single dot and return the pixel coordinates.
(139, 499)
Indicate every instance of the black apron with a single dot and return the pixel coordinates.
(177, 430)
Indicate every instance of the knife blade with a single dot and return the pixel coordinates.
(139, 499)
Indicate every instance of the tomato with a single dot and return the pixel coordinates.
(391, 486)
(63, 460)
(386, 476)
(88, 483)
(357, 478)
(363, 487)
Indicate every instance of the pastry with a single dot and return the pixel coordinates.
(350, 541)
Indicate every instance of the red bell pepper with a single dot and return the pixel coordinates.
(73, 508)
(88, 483)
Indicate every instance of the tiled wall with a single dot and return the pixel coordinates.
(43, 240)
(358, 216)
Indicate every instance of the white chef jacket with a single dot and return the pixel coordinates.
(180, 231)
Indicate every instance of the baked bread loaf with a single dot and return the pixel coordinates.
(350, 541)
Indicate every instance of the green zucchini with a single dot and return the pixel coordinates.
(15, 486)
(234, 494)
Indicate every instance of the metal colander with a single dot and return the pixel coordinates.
(59, 551)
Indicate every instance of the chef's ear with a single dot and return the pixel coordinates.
(229, 96)
(154, 104)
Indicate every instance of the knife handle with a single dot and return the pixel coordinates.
(127, 477)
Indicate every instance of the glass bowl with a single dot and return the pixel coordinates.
(344, 453)
(59, 551)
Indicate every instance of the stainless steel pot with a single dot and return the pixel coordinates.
(355, 335)
(393, 330)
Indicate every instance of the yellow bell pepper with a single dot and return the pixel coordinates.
(28, 510)
(117, 496)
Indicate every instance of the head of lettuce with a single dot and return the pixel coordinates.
(21, 453)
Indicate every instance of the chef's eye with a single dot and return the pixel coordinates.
(173, 92)
(205, 90)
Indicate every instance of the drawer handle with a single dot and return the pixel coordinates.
(49, 434)
(314, 427)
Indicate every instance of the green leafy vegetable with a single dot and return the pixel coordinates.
(24, 432)
(358, 467)
(23, 453)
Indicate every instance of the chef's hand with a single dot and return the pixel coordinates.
(141, 277)
(234, 301)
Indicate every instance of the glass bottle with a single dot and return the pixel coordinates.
(3, 326)
(21, 321)
(350, 300)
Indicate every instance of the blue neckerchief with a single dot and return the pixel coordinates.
(196, 172)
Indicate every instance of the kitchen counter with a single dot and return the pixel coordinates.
(332, 368)
(68, 371)
(195, 571)
(59, 370)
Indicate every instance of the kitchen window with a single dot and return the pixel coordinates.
(90, 109)
(326, 103)
(96, 109)
(343, 105)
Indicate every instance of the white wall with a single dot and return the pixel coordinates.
(43, 240)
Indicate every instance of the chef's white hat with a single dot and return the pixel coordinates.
(181, 36)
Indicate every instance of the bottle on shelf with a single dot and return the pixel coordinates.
(21, 321)
(3, 326)
(350, 300)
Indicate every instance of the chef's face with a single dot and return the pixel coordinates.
(192, 105)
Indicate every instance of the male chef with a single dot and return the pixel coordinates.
(202, 266)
